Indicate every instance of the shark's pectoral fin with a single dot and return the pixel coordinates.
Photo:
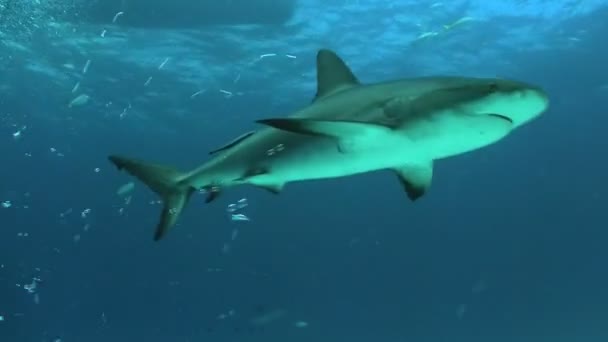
(415, 179)
(351, 135)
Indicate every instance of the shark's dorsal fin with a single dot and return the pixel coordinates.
(333, 75)
(233, 142)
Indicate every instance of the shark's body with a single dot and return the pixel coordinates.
(352, 128)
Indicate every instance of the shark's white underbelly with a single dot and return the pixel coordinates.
(328, 162)
(303, 157)
(325, 160)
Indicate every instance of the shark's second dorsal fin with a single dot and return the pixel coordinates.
(333, 74)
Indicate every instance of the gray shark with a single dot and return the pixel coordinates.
(352, 128)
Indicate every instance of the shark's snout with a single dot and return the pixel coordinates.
(540, 97)
(516, 103)
(527, 105)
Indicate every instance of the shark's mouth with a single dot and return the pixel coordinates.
(500, 116)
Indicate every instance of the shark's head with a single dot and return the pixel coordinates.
(514, 101)
(464, 114)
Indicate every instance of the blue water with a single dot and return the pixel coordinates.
(509, 244)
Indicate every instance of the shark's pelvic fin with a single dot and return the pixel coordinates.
(233, 143)
(251, 177)
(350, 134)
(333, 75)
(252, 172)
(165, 182)
(273, 188)
(415, 179)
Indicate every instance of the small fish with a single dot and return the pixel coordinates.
(300, 324)
(79, 100)
(239, 217)
(125, 189)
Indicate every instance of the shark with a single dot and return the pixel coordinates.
(350, 128)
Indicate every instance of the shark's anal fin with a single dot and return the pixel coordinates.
(351, 135)
(415, 179)
(233, 143)
(165, 182)
(333, 75)
(212, 193)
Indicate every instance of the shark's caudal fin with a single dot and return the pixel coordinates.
(164, 181)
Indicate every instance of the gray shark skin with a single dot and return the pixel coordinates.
(352, 128)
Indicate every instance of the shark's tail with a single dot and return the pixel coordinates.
(165, 182)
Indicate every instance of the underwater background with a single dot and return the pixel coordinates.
(510, 243)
